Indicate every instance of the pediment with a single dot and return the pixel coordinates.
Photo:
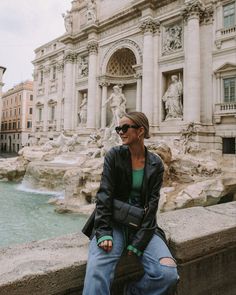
(39, 104)
(226, 68)
(52, 101)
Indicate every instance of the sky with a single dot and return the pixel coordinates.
(24, 26)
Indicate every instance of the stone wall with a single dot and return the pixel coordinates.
(203, 240)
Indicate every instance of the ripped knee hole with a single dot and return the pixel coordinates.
(166, 261)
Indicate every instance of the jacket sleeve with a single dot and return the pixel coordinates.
(104, 202)
(148, 226)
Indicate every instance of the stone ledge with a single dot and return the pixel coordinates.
(201, 238)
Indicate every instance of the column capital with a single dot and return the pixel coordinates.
(104, 84)
(92, 47)
(149, 25)
(60, 66)
(193, 9)
(46, 71)
(70, 57)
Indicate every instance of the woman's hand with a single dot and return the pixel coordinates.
(106, 245)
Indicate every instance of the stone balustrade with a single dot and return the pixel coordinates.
(226, 31)
(202, 239)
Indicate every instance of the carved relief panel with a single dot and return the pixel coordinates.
(172, 40)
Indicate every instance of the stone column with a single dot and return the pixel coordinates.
(156, 92)
(92, 84)
(60, 68)
(138, 76)
(148, 26)
(69, 63)
(104, 86)
(46, 73)
(192, 13)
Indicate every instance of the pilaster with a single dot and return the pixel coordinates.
(92, 83)
(148, 26)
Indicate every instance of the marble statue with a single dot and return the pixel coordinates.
(173, 99)
(91, 11)
(67, 21)
(118, 105)
(83, 67)
(83, 111)
(172, 39)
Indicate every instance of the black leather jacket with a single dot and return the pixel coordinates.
(116, 182)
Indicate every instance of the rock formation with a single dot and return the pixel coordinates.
(66, 164)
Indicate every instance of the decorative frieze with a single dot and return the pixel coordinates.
(149, 25)
(92, 47)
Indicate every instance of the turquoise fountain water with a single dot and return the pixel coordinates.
(26, 216)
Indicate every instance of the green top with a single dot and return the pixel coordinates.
(137, 180)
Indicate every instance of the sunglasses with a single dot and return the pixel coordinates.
(124, 128)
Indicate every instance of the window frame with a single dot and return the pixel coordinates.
(227, 16)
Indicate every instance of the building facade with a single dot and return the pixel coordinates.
(175, 60)
(2, 71)
(17, 115)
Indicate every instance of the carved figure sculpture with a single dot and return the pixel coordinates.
(91, 11)
(173, 99)
(83, 110)
(173, 39)
(118, 104)
(83, 67)
(67, 21)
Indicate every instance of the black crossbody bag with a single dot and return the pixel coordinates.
(127, 214)
(123, 213)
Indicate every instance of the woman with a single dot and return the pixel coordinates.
(133, 175)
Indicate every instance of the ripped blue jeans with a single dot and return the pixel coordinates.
(158, 278)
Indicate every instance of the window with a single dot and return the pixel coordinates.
(30, 111)
(54, 72)
(229, 145)
(14, 112)
(9, 125)
(52, 113)
(40, 114)
(229, 15)
(18, 136)
(230, 89)
(41, 77)
(18, 124)
(19, 111)
(29, 124)
(14, 125)
(31, 97)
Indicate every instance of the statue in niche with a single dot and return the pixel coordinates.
(173, 39)
(83, 111)
(173, 99)
(118, 105)
(91, 11)
(67, 21)
(83, 67)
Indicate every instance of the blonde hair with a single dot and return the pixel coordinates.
(140, 119)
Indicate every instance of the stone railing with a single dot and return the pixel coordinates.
(202, 239)
(226, 31)
(224, 109)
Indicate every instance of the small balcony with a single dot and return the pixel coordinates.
(224, 110)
